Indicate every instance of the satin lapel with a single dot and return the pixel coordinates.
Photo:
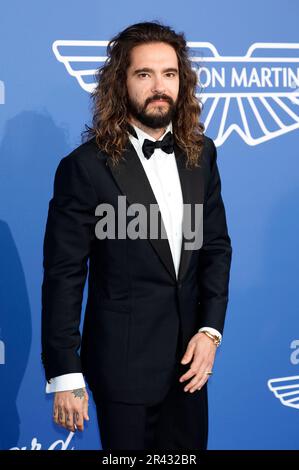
(133, 183)
(192, 184)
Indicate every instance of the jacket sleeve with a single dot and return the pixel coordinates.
(214, 255)
(69, 234)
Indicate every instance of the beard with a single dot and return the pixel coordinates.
(158, 117)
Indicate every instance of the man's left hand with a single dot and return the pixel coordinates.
(202, 349)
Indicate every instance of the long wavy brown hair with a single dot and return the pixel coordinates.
(110, 96)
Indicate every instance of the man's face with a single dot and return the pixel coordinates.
(153, 84)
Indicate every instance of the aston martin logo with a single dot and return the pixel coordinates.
(286, 389)
(255, 95)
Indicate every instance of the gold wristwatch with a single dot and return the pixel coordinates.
(215, 338)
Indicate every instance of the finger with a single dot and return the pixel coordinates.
(199, 385)
(55, 414)
(61, 416)
(188, 354)
(192, 383)
(188, 375)
(194, 369)
(69, 420)
(79, 420)
(203, 379)
(85, 410)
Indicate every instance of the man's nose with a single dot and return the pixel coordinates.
(158, 85)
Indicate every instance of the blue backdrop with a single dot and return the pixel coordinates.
(251, 55)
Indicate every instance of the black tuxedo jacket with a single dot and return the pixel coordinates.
(137, 310)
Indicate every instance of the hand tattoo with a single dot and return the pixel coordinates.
(79, 392)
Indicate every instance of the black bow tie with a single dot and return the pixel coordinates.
(166, 144)
(149, 146)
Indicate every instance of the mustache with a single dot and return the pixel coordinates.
(159, 97)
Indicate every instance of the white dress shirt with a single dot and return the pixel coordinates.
(162, 173)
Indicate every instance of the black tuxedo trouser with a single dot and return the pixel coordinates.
(179, 421)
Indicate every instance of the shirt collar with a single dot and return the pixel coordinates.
(143, 135)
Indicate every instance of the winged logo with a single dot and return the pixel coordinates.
(255, 95)
(286, 389)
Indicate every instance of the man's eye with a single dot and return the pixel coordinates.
(172, 74)
(142, 74)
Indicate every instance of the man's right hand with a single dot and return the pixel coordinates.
(71, 408)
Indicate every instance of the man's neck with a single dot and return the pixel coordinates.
(155, 133)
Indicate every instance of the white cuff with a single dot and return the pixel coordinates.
(213, 331)
(65, 382)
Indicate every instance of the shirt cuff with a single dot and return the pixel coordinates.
(65, 382)
(213, 331)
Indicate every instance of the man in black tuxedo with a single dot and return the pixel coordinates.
(156, 308)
